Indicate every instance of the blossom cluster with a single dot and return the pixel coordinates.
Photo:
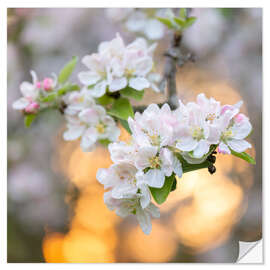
(87, 120)
(32, 93)
(142, 21)
(116, 66)
(159, 136)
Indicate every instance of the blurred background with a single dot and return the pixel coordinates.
(55, 205)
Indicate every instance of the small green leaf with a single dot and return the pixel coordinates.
(104, 142)
(160, 194)
(105, 100)
(28, 119)
(121, 109)
(125, 125)
(67, 70)
(68, 88)
(187, 167)
(51, 97)
(190, 21)
(166, 21)
(132, 93)
(174, 185)
(179, 21)
(183, 13)
(244, 156)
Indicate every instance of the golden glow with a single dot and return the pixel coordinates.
(159, 246)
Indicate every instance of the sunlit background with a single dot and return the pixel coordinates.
(55, 205)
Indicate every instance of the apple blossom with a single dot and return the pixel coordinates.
(132, 206)
(91, 124)
(117, 66)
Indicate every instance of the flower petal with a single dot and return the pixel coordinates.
(88, 139)
(155, 178)
(20, 104)
(73, 133)
(99, 89)
(223, 148)
(139, 83)
(186, 143)
(118, 84)
(239, 145)
(201, 149)
(88, 77)
(144, 220)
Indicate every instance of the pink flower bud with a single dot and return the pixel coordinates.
(48, 84)
(239, 118)
(38, 84)
(32, 107)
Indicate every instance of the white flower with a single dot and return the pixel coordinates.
(126, 207)
(117, 66)
(196, 134)
(234, 129)
(118, 14)
(77, 101)
(159, 164)
(91, 124)
(153, 126)
(30, 92)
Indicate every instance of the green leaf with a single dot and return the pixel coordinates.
(132, 93)
(28, 119)
(105, 100)
(166, 21)
(174, 185)
(104, 142)
(51, 97)
(183, 13)
(179, 21)
(190, 21)
(160, 194)
(68, 88)
(125, 125)
(187, 167)
(244, 156)
(67, 70)
(121, 109)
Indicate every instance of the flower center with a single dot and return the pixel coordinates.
(155, 162)
(227, 134)
(100, 128)
(129, 72)
(197, 133)
(211, 117)
(155, 139)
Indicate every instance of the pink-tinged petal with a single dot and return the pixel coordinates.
(177, 167)
(239, 145)
(155, 178)
(139, 83)
(73, 133)
(118, 84)
(201, 149)
(186, 143)
(88, 77)
(89, 116)
(223, 149)
(144, 220)
(20, 104)
(242, 130)
(93, 62)
(99, 89)
(202, 100)
(145, 197)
